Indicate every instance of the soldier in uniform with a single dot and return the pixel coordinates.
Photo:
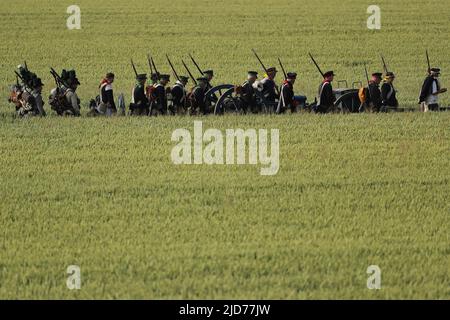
(248, 93)
(150, 89)
(160, 104)
(326, 97)
(73, 102)
(37, 95)
(105, 104)
(431, 89)
(197, 97)
(287, 100)
(28, 96)
(154, 77)
(139, 105)
(269, 86)
(388, 93)
(179, 95)
(209, 75)
(374, 100)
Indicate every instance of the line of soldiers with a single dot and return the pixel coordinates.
(157, 98)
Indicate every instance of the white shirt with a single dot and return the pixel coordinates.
(433, 99)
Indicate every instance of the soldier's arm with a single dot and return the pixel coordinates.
(139, 96)
(73, 100)
(384, 94)
(199, 97)
(40, 105)
(108, 96)
(177, 95)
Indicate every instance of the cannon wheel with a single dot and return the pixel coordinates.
(343, 101)
(218, 89)
(228, 102)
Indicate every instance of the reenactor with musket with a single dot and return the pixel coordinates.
(374, 101)
(179, 95)
(209, 75)
(388, 93)
(139, 105)
(104, 103)
(248, 93)
(431, 89)
(326, 97)
(27, 96)
(269, 90)
(64, 99)
(287, 100)
(197, 97)
(159, 107)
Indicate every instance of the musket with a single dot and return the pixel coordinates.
(196, 64)
(134, 68)
(154, 66)
(282, 68)
(428, 61)
(260, 61)
(25, 64)
(317, 66)
(24, 86)
(361, 108)
(173, 69)
(189, 72)
(58, 79)
(150, 64)
(277, 90)
(368, 81)
(386, 70)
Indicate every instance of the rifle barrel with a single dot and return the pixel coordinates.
(189, 72)
(154, 66)
(173, 69)
(134, 67)
(260, 61)
(282, 68)
(150, 64)
(196, 64)
(316, 64)
(368, 81)
(386, 70)
(428, 61)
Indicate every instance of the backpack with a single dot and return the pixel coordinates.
(362, 94)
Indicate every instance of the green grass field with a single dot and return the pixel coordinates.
(103, 194)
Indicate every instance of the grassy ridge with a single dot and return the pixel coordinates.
(352, 191)
(220, 35)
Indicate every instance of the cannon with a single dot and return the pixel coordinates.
(347, 99)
